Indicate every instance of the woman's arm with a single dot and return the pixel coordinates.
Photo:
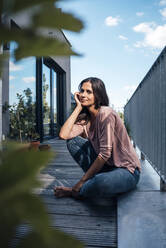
(94, 169)
(67, 127)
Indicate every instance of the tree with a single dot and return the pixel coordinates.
(121, 115)
(22, 117)
(46, 108)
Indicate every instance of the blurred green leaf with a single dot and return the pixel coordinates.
(35, 45)
(18, 170)
(18, 161)
(54, 240)
(30, 40)
(51, 17)
(19, 167)
(18, 5)
(31, 44)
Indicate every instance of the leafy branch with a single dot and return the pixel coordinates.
(18, 169)
(18, 165)
(32, 40)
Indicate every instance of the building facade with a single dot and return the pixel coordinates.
(34, 92)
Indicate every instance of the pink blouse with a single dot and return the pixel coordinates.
(109, 139)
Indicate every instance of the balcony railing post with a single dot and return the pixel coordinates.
(142, 156)
(134, 145)
(162, 185)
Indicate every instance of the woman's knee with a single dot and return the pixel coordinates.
(114, 182)
(95, 187)
(75, 142)
(70, 143)
(89, 188)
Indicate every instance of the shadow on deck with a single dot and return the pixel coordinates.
(92, 221)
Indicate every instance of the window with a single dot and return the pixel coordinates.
(22, 96)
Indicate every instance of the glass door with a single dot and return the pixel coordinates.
(46, 101)
(52, 107)
(55, 101)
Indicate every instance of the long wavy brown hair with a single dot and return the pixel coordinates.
(100, 94)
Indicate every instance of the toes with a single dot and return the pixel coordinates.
(58, 187)
(61, 191)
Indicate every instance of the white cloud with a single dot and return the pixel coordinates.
(14, 67)
(11, 77)
(155, 36)
(112, 21)
(163, 12)
(144, 27)
(29, 79)
(140, 13)
(121, 37)
(162, 2)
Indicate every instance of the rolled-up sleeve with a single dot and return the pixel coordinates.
(106, 137)
(77, 130)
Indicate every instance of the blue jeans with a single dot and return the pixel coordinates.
(109, 181)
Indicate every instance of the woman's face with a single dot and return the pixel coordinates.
(87, 97)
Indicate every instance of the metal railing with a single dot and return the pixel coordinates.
(145, 114)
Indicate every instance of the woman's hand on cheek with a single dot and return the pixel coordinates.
(77, 98)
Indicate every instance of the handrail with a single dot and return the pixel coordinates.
(145, 114)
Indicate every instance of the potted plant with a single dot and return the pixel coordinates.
(35, 141)
(44, 147)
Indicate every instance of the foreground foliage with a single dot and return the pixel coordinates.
(18, 165)
(43, 15)
(18, 205)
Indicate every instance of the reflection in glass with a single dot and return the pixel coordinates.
(55, 101)
(46, 100)
(22, 97)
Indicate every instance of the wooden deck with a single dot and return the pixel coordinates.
(92, 221)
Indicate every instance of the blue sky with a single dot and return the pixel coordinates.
(120, 42)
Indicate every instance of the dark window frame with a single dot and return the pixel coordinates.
(61, 82)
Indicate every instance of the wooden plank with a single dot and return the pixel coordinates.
(74, 221)
(50, 183)
(82, 210)
(90, 237)
(63, 164)
(63, 158)
(67, 171)
(62, 174)
(98, 238)
(49, 199)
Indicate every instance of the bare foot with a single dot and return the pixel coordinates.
(62, 191)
